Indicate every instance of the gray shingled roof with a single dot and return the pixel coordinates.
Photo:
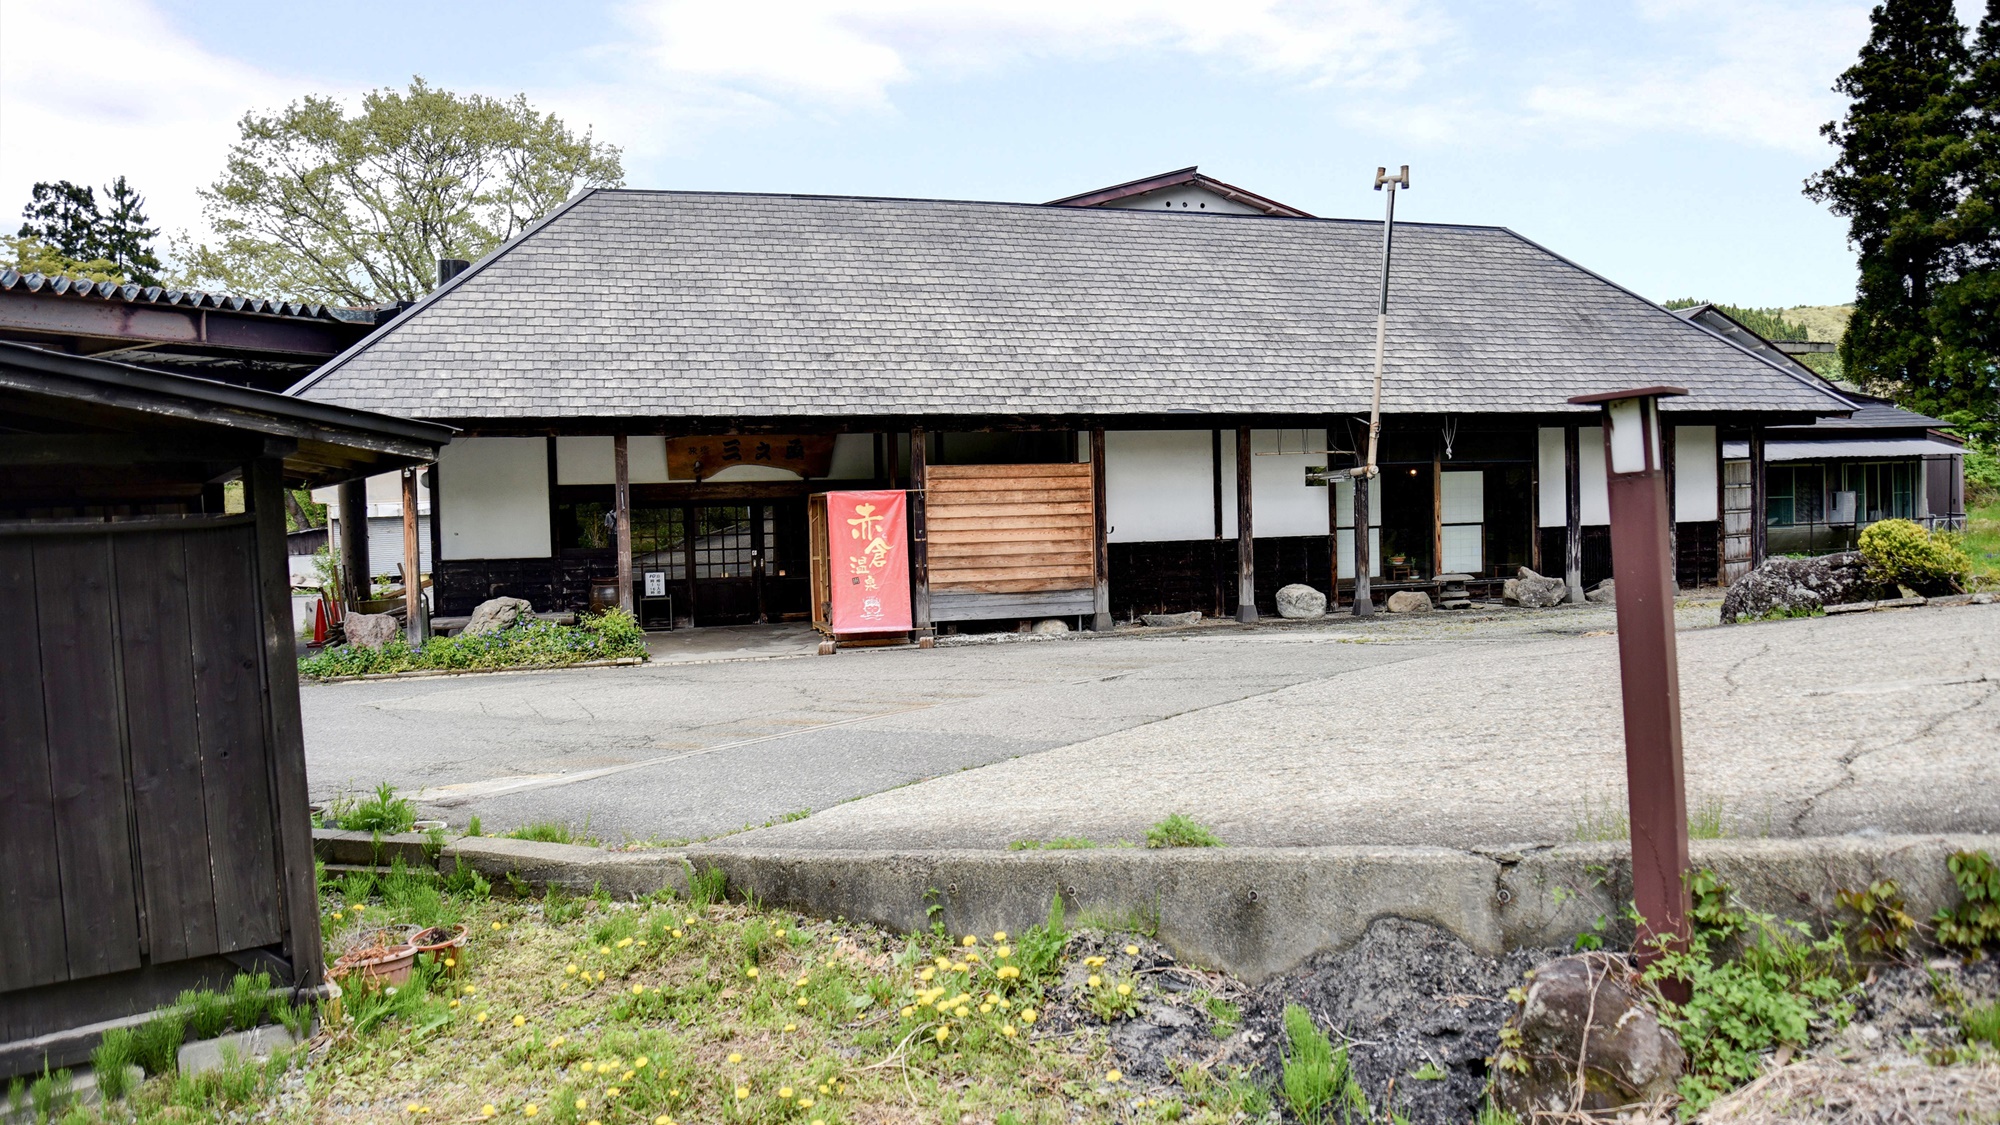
(644, 303)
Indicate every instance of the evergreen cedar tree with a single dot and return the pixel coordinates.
(66, 217)
(1917, 179)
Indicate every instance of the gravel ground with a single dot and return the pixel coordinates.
(1285, 733)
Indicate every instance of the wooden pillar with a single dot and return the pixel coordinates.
(1364, 562)
(1101, 602)
(1246, 541)
(621, 508)
(1437, 512)
(688, 520)
(1332, 526)
(1573, 513)
(1215, 553)
(920, 550)
(437, 537)
(354, 540)
(759, 548)
(1760, 540)
(1673, 527)
(416, 619)
(1535, 507)
(263, 487)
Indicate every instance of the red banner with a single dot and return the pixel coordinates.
(869, 554)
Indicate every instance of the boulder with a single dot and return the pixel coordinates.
(1605, 594)
(1585, 1017)
(495, 614)
(1050, 625)
(371, 630)
(1160, 620)
(1795, 585)
(1409, 601)
(1532, 591)
(1299, 601)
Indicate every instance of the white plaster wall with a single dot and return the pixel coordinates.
(1695, 481)
(1159, 487)
(1590, 473)
(591, 460)
(853, 457)
(1281, 502)
(494, 492)
(1185, 197)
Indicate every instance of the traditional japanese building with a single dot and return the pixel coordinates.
(1096, 398)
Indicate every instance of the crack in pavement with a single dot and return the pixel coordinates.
(1846, 761)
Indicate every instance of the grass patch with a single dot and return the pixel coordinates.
(1177, 831)
(1060, 843)
(531, 644)
(1608, 823)
(554, 832)
(1981, 542)
(1314, 1074)
(382, 812)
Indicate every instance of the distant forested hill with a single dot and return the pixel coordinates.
(1800, 322)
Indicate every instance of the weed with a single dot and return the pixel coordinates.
(1041, 947)
(413, 895)
(1600, 825)
(156, 1044)
(249, 1000)
(1593, 938)
(472, 827)
(559, 907)
(1110, 1000)
(1060, 843)
(1177, 831)
(384, 812)
(1490, 1114)
(1975, 922)
(1224, 1017)
(207, 1012)
(1314, 1074)
(1429, 1072)
(1708, 822)
(709, 887)
(1886, 925)
(463, 881)
(545, 832)
(49, 1094)
(236, 1082)
(1981, 1024)
(109, 1062)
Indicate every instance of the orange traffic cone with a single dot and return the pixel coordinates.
(319, 621)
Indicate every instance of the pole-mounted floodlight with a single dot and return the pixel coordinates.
(1648, 668)
(1364, 602)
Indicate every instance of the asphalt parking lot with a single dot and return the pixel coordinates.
(1487, 727)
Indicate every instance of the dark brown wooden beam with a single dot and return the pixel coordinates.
(621, 507)
(416, 623)
(123, 449)
(1246, 543)
(920, 554)
(353, 497)
(1760, 537)
(1573, 512)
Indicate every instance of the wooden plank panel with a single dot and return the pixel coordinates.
(938, 473)
(1021, 585)
(87, 753)
(942, 578)
(946, 564)
(962, 510)
(229, 701)
(985, 548)
(1008, 484)
(160, 728)
(947, 502)
(1008, 527)
(957, 605)
(31, 909)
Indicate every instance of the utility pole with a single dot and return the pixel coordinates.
(1365, 473)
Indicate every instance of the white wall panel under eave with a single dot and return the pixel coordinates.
(589, 460)
(1695, 488)
(494, 496)
(1159, 486)
(1590, 471)
(1281, 502)
(853, 457)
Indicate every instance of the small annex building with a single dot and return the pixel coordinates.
(154, 835)
(1096, 397)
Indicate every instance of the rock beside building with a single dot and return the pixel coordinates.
(1605, 594)
(1409, 601)
(1799, 586)
(1532, 591)
(1587, 1041)
(496, 614)
(371, 630)
(1299, 602)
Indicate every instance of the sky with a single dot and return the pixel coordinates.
(1662, 143)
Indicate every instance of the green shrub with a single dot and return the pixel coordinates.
(529, 644)
(108, 1063)
(50, 1094)
(156, 1044)
(1975, 922)
(207, 1012)
(1981, 1024)
(384, 812)
(1314, 1075)
(1899, 552)
(1178, 831)
(249, 1000)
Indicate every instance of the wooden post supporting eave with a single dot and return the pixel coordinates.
(263, 486)
(1215, 553)
(1437, 512)
(1673, 528)
(353, 498)
(1573, 513)
(437, 536)
(1101, 601)
(920, 551)
(416, 622)
(1246, 542)
(621, 506)
(1760, 540)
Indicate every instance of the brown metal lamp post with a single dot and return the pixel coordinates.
(1648, 669)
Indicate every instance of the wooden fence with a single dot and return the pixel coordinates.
(1010, 540)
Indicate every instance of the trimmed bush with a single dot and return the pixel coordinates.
(1899, 552)
(531, 644)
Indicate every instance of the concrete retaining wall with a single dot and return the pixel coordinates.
(1250, 911)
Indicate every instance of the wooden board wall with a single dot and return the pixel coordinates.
(1010, 529)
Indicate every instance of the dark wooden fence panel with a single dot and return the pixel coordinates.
(229, 702)
(165, 741)
(32, 944)
(87, 753)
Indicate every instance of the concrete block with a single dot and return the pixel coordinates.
(332, 845)
(576, 869)
(256, 1043)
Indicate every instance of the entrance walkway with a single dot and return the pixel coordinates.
(732, 642)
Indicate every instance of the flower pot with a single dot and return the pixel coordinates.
(444, 946)
(380, 957)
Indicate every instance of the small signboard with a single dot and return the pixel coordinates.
(656, 583)
(868, 553)
(698, 458)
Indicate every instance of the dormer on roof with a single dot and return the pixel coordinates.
(1183, 190)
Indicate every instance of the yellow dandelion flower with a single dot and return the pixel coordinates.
(927, 975)
(909, 1010)
(803, 981)
(825, 1089)
(1112, 1076)
(1028, 1015)
(791, 1027)
(942, 962)
(487, 1110)
(604, 949)
(1131, 951)
(803, 1001)
(692, 920)
(969, 941)
(1004, 952)
(785, 1092)
(751, 972)
(1008, 972)
(468, 990)
(582, 1102)
(943, 1033)
(640, 1062)
(1094, 980)
(480, 1018)
(1004, 1004)
(520, 1021)
(1000, 937)
(557, 1041)
(972, 958)
(413, 1108)
(642, 941)
(623, 942)
(818, 1121)
(451, 962)
(960, 1011)
(637, 989)
(612, 1091)
(734, 1057)
(1124, 990)
(454, 1004)
(678, 933)
(499, 925)
(778, 933)
(600, 974)
(570, 968)
(663, 1119)
(604, 1068)
(530, 1109)
(742, 1092)
(985, 1008)
(805, 1103)
(627, 1076)
(1008, 1030)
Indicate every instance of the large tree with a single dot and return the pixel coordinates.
(1965, 316)
(317, 204)
(68, 231)
(1897, 180)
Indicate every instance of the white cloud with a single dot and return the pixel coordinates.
(852, 53)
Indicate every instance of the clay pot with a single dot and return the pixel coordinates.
(380, 957)
(444, 946)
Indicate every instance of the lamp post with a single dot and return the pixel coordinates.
(1365, 473)
(1648, 671)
